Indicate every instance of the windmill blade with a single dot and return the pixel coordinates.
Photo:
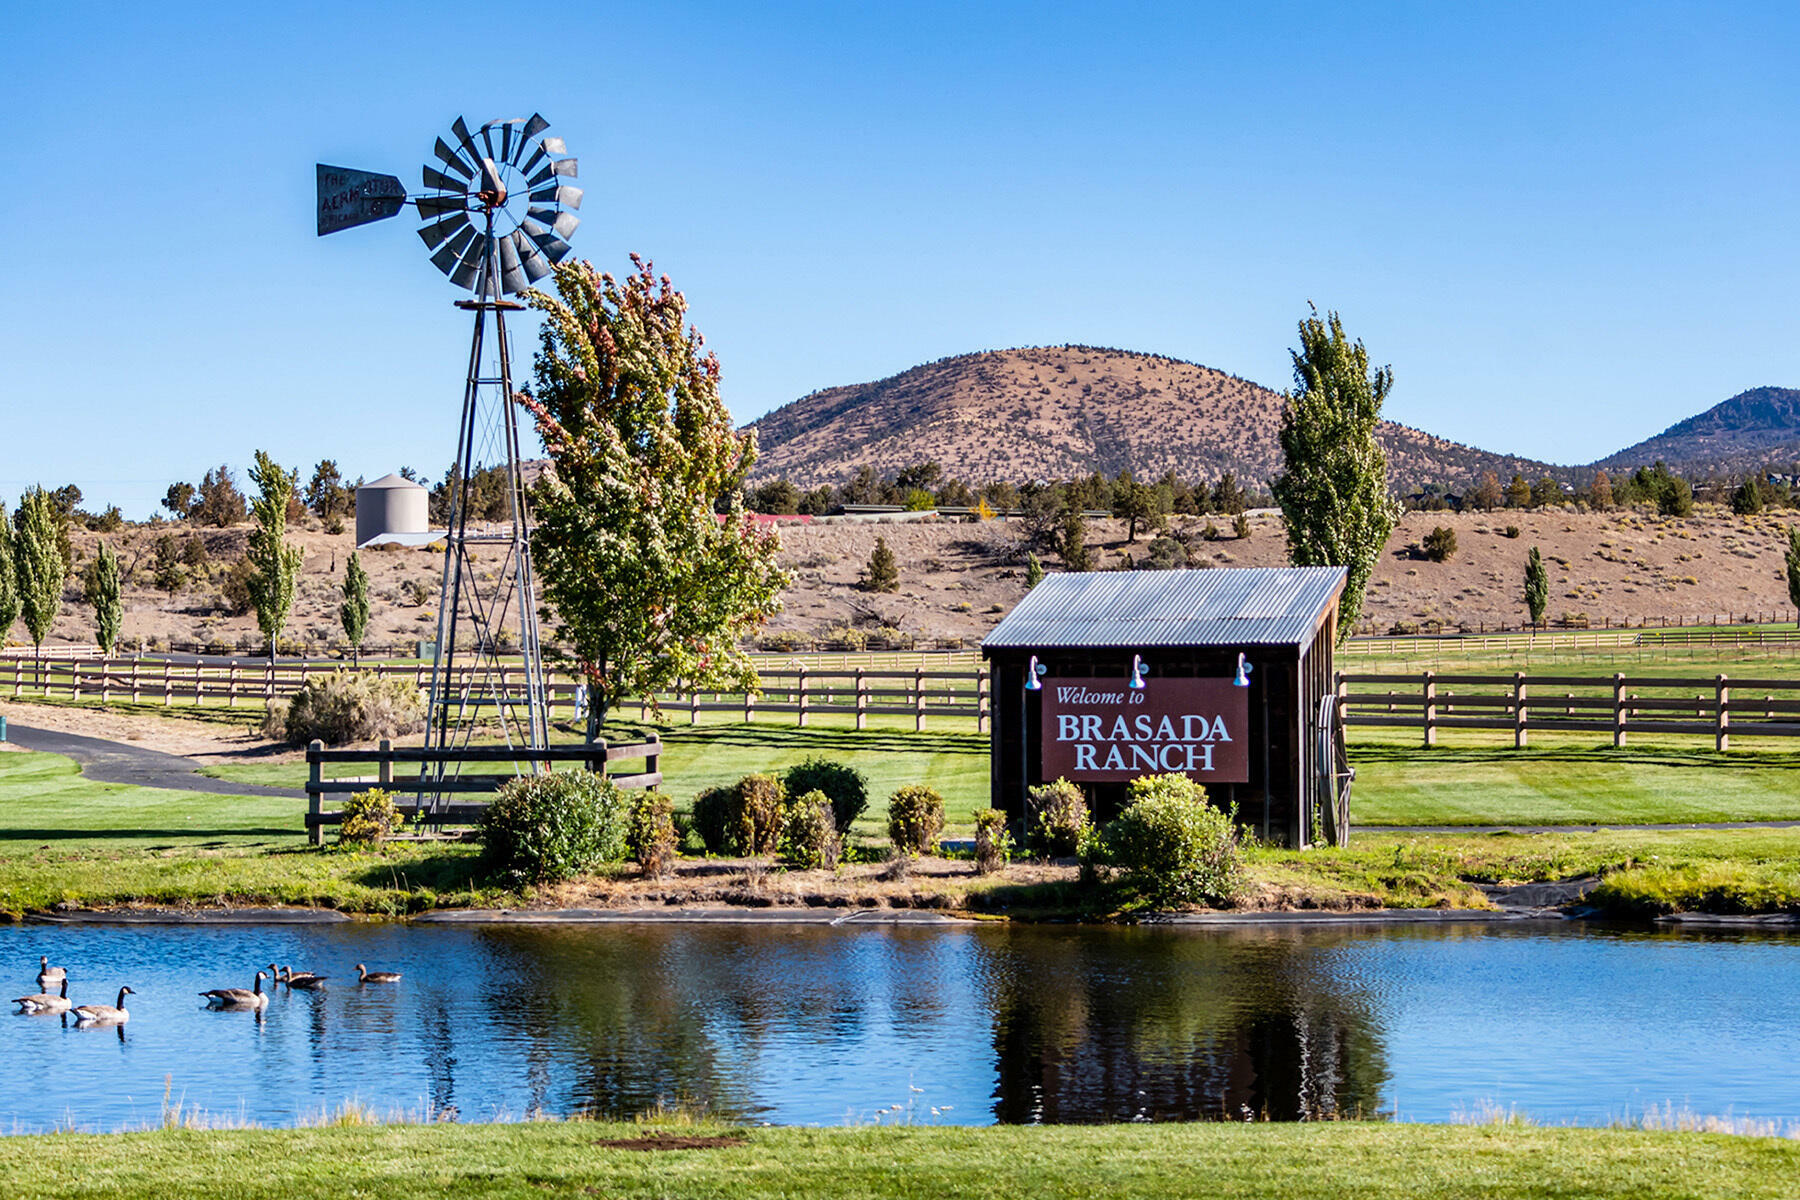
(447, 257)
(487, 141)
(533, 127)
(554, 145)
(512, 274)
(537, 156)
(506, 136)
(468, 271)
(464, 139)
(563, 222)
(567, 197)
(535, 264)
(452, 159)
(442, 182)
(437, 206)
(566, 167)
(437, 232)
(553, 247)
(349, 197)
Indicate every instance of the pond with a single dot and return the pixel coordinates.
(799, 1024)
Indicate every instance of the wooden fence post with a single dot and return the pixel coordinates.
(166, 688)
(918, 699)
(1721, 714)
(74, 680)
(693, 708)
(136, 662)
(1430, 709)
(802, 703)
(1618, 710)
(862, 700)
(232, 687)
(1520, 717)
(315, 775)
(384, 770)
(749, 706)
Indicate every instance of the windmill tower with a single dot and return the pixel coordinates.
(497, 216)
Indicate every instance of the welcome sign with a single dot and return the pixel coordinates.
(1102, 731)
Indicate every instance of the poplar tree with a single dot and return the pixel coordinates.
(1600, 493)
(38, 563)
(651, 587)
(354, 611)
(1537, 586)
(9, 581)
(1334, 494)
(274, 564)
(1793, 567)
(103, 594)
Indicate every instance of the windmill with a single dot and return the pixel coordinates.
(497, 213)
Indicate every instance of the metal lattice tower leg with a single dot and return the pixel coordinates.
(487, 580)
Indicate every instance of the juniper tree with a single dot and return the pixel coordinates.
(103, 594)
(883, 572)
(1600, 493)
(1333, 494)
(274, 563)
(1793, 566)
(1073, 543)
(354, 611)
(39, 564)
(1034, 571)
(650, 585)
(1537, 586)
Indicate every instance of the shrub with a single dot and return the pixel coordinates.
(915, 819)
(1056, 819)
(844, 786)
(993, 844)
(350, 706)
(552, 827)
(650, 833)
(370, 818)
(743, 819)
(883, 572)
(1512, 531)
(1440, 544)
(1240, 527)
(1173, 846)
(810, 834)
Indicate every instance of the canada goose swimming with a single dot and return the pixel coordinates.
(47, 974)
(104, 1014)
(364, 975)
(42, 1003)
(252, 997)
(301, 979)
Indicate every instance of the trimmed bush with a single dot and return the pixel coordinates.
(1173, 846)
(1440, 544)
(743, 819)
(844, 786)
(993, 845)
(348, 706)
(552, 827)
(1056, 819)
(810, 836)
(650, 834)
(915, 819)
(370, 818)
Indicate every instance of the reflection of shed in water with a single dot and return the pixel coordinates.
(1224, 675)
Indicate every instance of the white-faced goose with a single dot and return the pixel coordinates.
(364, 975)
(44, 1003)
(250, 997)
(104, 1014)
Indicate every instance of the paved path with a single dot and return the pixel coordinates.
(122, 762)
(1606, 827)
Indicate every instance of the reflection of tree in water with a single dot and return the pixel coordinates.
(1110, 1025)
(687, 1013)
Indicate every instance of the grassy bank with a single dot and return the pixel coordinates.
(1290, 1162)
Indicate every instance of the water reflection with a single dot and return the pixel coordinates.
(803, 1024)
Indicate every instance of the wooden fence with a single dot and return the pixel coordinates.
(801, 692)
(1615, 706)
(447, 777)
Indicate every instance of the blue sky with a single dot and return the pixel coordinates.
(1566, 226)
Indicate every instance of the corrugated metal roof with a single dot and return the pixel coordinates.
(1240, 606)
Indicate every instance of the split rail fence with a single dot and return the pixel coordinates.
(1615, 706)
(800, 692)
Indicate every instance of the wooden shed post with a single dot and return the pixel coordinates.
(981, 700)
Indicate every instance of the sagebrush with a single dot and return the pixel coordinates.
(348, 706)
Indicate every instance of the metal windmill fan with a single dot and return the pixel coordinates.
(497, 217)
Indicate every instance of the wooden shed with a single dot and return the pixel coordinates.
(1224, 675)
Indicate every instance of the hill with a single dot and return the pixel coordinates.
(1751, 430)
(1059, 411)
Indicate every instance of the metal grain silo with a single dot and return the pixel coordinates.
(392, 509)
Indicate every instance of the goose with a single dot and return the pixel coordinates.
(48, 974)
(302, 979)
(104, 1014)
(42, 1003)
(253, 997)
(364, 975)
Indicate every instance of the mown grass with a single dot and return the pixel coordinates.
(1365, 1161)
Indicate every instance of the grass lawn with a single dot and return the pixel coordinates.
(1339, 1161)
